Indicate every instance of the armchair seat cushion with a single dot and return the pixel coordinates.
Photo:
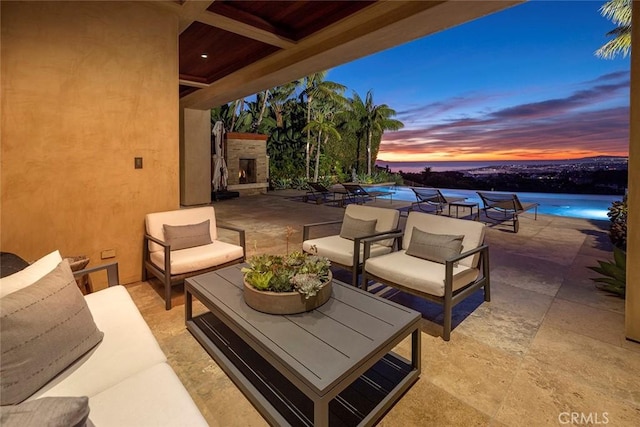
(419, 274)
(199, 257)
(340, 250)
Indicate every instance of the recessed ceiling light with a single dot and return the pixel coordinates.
(204, 56)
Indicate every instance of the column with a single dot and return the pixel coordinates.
(632, 308)
(195, 157)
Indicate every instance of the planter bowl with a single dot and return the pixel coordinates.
(285, 302)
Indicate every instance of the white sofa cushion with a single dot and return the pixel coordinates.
(128, 347)
(154, 222)
(340, 250)
(419, 274)
(30, 274)
(199, 257)
(473, 232)
(152, 397)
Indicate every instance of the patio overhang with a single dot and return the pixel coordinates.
(253, 46)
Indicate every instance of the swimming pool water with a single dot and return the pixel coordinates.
(570, 205)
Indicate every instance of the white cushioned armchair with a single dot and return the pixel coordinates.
(445, 262)
(347, 249)
(180, 244)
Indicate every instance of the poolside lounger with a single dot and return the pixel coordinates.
(357, 194)
(505, 207)
(427, 197)
(320, 194)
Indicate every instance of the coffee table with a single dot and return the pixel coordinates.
(332, 366)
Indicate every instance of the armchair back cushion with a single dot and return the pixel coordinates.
(473, 232)
(434, 247)
(353, 227)
(155, 222)
(386, 219)
(187, 236)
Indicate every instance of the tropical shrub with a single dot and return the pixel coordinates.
(614, 273)
(618, 216)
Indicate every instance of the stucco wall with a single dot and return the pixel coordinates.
(86, 87)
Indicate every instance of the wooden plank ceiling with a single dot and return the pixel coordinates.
(229, 48)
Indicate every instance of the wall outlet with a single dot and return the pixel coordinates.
(108, 253)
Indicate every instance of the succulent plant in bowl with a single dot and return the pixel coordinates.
(297, 272)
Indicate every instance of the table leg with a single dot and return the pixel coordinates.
(416, 349)
(188, 305)
(321, 412)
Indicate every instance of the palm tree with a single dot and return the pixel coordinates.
(316, 87)
(325, 127)
(619, 12)
(372, 120)
(278, 99)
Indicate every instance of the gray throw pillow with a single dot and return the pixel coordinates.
(187, 236)
(354, 227)
(44, 328)
(47, 411)
(434, 247)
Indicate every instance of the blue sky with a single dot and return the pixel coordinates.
(520, 84)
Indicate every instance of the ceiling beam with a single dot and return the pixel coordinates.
(189, 12)
(245, 30)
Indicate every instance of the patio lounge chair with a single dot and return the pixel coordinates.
(321, 194)
(428, 198)
(358, 195)
(502, 207)
(346, 249)
(183, 243)
(432, 266)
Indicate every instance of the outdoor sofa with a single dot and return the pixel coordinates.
(75, 357)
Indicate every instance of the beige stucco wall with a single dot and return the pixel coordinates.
(632, 310)
(86, 87)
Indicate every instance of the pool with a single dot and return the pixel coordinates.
(571, 205)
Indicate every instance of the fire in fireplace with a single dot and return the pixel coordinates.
(247, 171)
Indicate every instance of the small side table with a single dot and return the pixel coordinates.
(84, 282)
(463, 204)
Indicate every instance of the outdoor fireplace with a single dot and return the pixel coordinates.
(247, 171)
(247, 162)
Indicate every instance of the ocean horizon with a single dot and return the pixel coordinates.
(443, 166)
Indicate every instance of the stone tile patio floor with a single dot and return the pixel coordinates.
(549, 344)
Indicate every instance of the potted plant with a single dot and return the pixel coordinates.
(289, 284)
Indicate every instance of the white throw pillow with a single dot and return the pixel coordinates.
(30, 274)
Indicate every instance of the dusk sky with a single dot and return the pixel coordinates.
(520, 84)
